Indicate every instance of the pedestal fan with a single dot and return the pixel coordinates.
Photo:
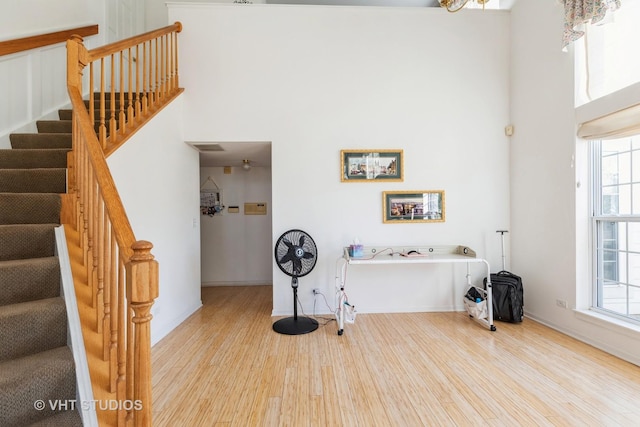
(295, 254)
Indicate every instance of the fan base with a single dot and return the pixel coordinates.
(295, 326)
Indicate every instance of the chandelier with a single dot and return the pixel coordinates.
(456, 5)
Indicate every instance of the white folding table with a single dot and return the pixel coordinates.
(412, 255)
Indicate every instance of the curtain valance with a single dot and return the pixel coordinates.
(579, 12)
(620, 124)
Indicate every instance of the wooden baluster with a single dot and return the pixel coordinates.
(77, 154)
(145, 90)
(112, 98)
(115, 311)
(121, 117)
(150, 78)
(91, 248)
(98, 259)
(142, 290)
(167, 64)
(159, 60)
(84, 191)
(156, 63)
(106, 272)
(92, 96)
(130, 350)
(121, 383)
(83, 233)
(103, 124)
(165, 58)
(170, 63)
(139, 90)
(95, 250)
(130, 109)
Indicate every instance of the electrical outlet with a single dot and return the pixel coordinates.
(315, 291)
(561, 303)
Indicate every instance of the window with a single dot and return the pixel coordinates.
(616, 226)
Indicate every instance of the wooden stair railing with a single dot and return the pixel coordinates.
(121, 270)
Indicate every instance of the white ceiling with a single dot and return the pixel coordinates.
(396, 3)
(492, 4)
(220, 154)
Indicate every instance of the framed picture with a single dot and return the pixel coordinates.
(371, 165)
(413, 206)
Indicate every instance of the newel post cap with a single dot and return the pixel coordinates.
(142, 274)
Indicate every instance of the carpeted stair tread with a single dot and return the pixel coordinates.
(41, 180)
(22, 241)
(30, 279)
(40, 140)
(32, 327)
(26, 158)
(64, 126)
(46, 376)
(54, 126)
(68, 418)
(30, 208)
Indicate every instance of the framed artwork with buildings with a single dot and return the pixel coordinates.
(371, 165)
(413, 206)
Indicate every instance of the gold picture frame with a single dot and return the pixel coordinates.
(413, 206)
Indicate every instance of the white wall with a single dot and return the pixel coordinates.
(156, 174)
(315, 80)
(33, 83)
(549, 237)
(31, 17)
(236, 248)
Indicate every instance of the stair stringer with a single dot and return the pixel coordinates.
(85, 404)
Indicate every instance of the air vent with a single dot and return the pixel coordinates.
(208, 147)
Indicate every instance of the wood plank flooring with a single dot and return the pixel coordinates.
(225, 366)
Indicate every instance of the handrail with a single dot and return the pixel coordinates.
(121, 270)
(115, 47)
(8, 47)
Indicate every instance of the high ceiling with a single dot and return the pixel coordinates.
(396, 3)
(491, 4)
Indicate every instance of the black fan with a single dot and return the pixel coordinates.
(296, 255)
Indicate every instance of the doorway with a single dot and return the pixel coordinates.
(236, 236)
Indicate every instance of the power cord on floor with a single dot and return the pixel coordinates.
(326, 320)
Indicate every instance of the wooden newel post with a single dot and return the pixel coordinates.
(142, 289)
(77, 59)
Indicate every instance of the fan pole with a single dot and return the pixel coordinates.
(294, 285)
(294, 325)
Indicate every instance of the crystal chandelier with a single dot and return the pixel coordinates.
(456, 5)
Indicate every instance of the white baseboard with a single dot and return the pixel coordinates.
(631, 358)
(160, 331)
(249, 283)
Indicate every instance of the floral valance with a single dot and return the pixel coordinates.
(578, 12)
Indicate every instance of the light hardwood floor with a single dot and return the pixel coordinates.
(225, 366)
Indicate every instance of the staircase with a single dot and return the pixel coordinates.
(36, 365)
